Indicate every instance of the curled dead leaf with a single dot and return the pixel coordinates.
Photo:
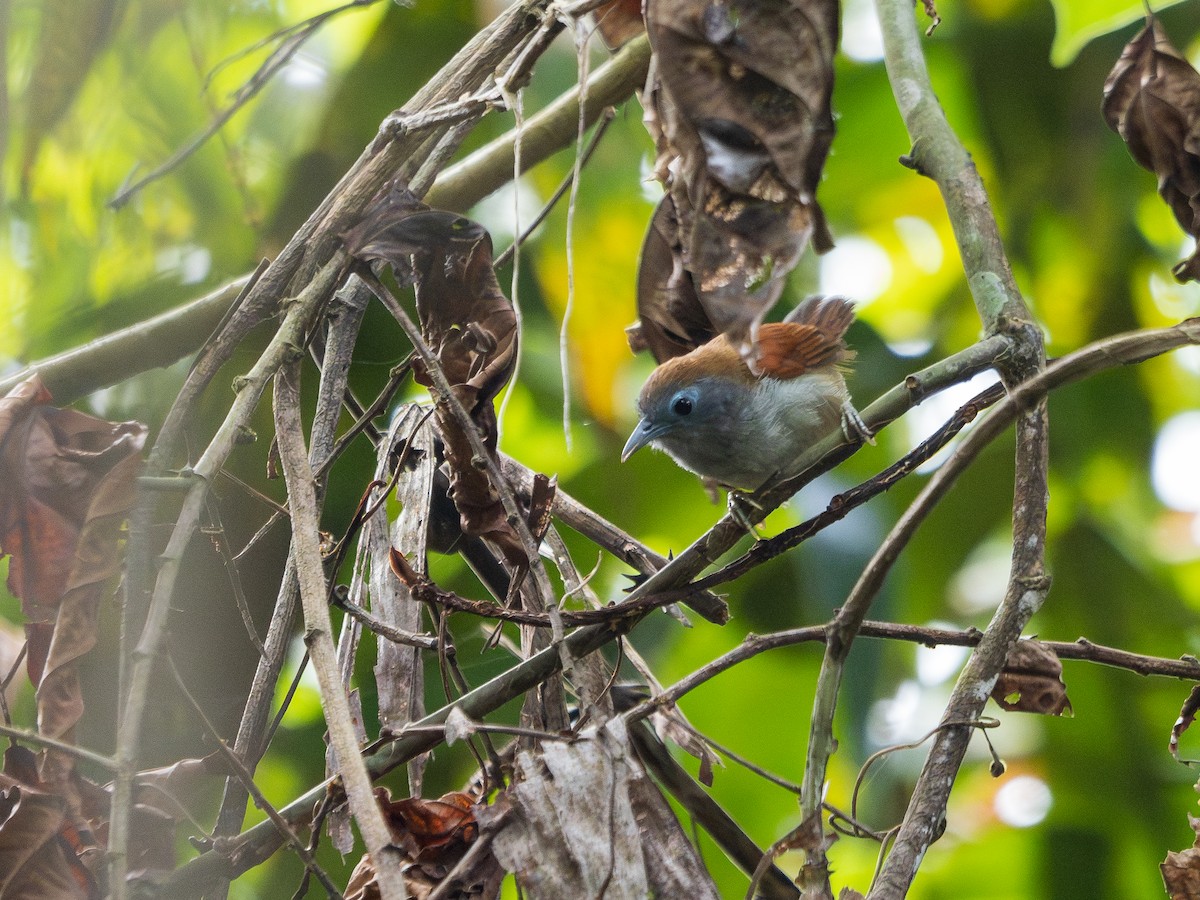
(1031, 681)
(468, 324)
(739, 107)
(434, 835)
(582, 819)
(1152, 100)
(1181, 869)
(66, 488)
(42, 846)
(671, 320)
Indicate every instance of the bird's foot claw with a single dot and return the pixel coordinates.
(738, 506)
(854, 428)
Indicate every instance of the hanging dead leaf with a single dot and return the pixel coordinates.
(739, 108)
(742, 250)
(33, 863)
(570, 825)
(1152, 100)
(469, 325)
(671, 320)
(749, 84)
(1181, 870)
(1031, 681)
(41, 847)
(66, 487)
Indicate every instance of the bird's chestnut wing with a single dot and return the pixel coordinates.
(810, 338)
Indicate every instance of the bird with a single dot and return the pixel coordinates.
(739, 428)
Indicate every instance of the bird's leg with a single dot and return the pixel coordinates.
(737, 504)
(854, 428)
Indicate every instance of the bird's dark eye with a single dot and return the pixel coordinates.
(682, 406)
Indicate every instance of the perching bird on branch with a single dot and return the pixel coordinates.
(714, 416)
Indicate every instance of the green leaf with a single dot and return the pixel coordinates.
(1079, 21)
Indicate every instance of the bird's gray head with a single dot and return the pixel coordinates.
(690, 420)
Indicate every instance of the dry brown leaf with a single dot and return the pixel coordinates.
(1181, 870)
(40, 847)
(469, 325)
(739, 109)
(1031, 681)
(741, 252)
(33, 864)
(1152, 99)
(750, 85)
(574, 824)
(173, 789)
(66, 487)
(619, 21)
(434, 835)
(671, 320)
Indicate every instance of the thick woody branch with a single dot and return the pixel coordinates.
(938, 153)
(155, 342)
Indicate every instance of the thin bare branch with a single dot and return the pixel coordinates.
(246, 779)
(319, 635)
(290, 40)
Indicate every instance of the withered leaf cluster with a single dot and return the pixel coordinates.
(66, 488)
(1152, 100)
(67, 484)
(1031, 681)
(434, 836)
(469, 325)
(738, 103)
(582, 819)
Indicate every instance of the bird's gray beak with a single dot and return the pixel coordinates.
(645, 432)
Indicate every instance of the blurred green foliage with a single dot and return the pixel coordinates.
(1092, 247)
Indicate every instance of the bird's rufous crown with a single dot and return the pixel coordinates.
(812, 337)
